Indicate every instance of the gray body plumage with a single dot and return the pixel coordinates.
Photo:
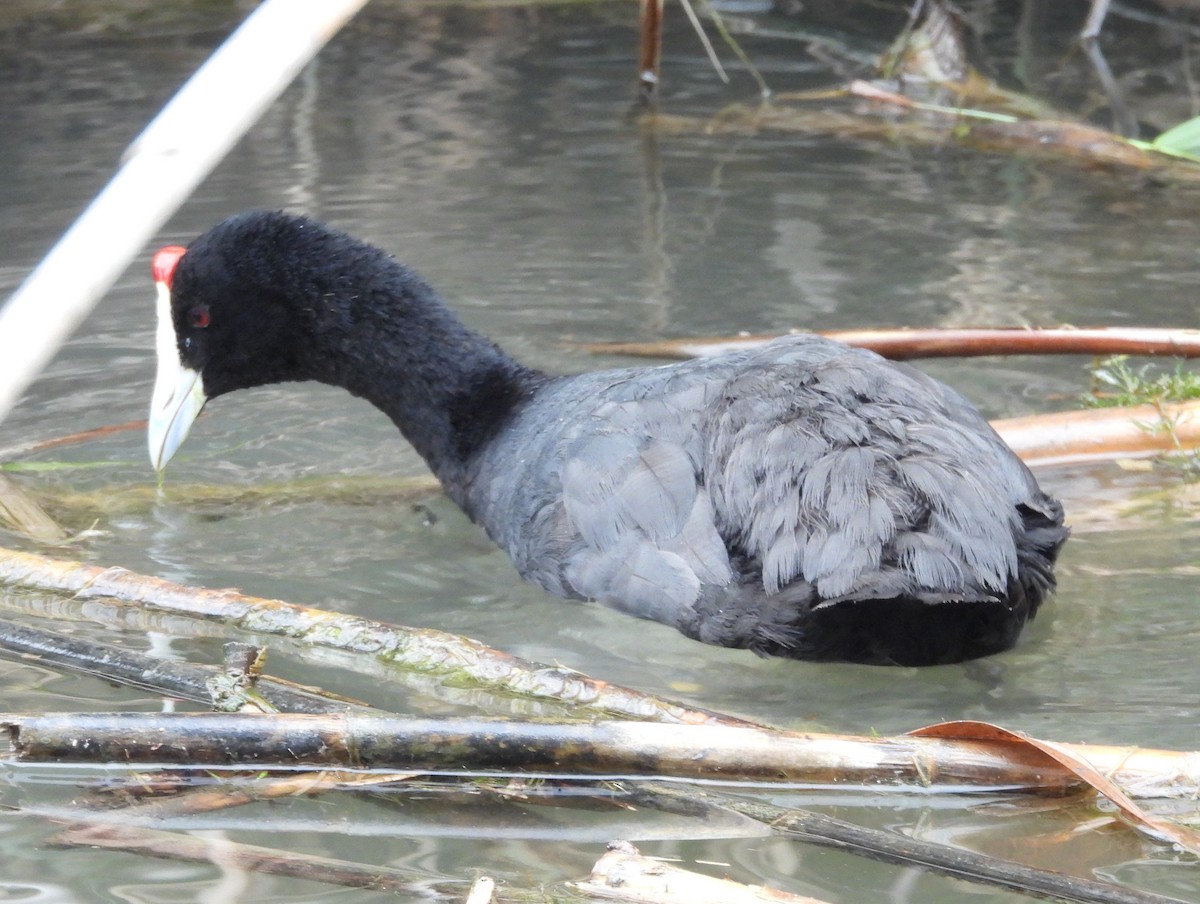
(740, 498)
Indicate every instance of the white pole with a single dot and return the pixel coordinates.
(179, 147)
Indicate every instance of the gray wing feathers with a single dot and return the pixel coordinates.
(803, 457)
(635, 577)
(868, 499)
(610, 486)
(646, 528)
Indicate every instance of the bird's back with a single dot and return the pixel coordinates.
(801, 499)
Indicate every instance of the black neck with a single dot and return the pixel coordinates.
(387, 337)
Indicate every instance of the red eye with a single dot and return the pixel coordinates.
(198, 317)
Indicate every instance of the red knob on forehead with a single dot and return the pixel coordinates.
(165, 261)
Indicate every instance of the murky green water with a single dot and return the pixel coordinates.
(493, 151)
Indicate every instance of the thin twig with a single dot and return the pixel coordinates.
(172, 678)
(708, 48)
(71, 439)
(719, 23)
(936, 342)
(890, 847)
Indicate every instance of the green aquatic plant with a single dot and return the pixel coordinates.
(1116, 383)
(1182, 141)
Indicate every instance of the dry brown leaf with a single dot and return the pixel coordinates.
(1161, 829)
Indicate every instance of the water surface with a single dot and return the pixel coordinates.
(495, 151)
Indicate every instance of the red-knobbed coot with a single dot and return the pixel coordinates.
(801, 499)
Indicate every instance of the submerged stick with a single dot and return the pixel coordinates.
(421, 649)
(172, 846)
(193, 800)
(169, 677)
(892, 847)
(907, 344)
